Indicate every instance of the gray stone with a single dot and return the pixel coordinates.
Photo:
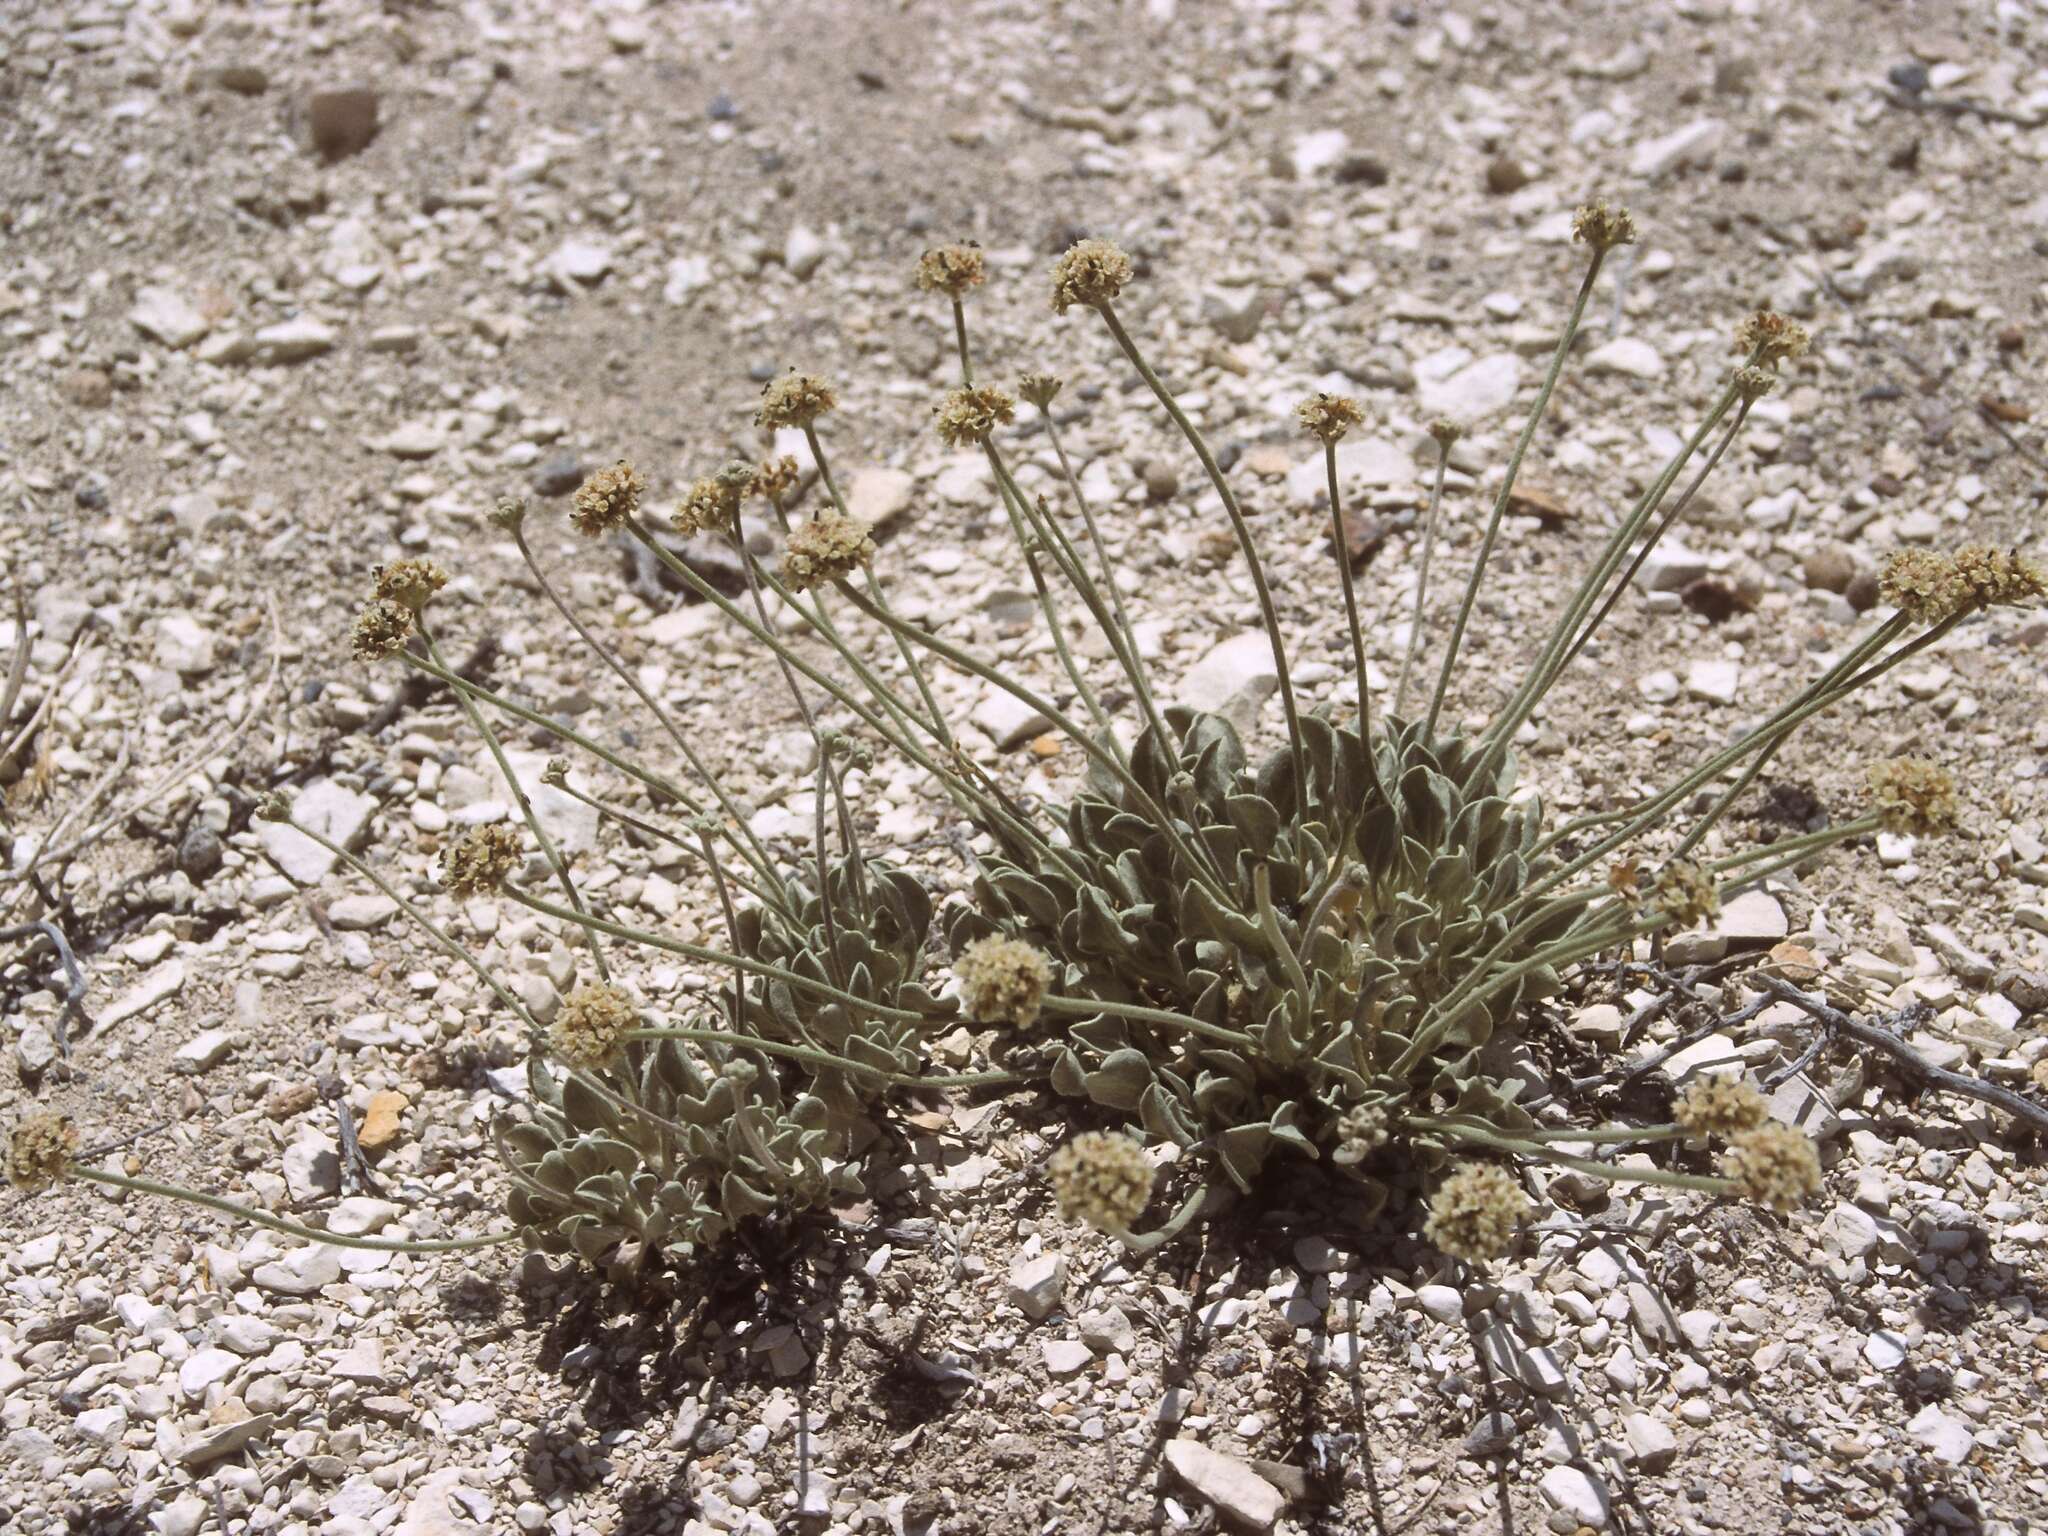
(203, 1051)
(1949, 1439)
(168, 316)
(686, 275)
(339, 814)
(312, 1168)
(1480, 389)
(1651, 1444)
(302, 1272)
(1690, 145)
(1063, 1357)
(362, 911)
(1670, 567)
(1628, 355)
(1369, 463)
(1885, 1350)
(569, 821)
(293, 341)
(577, 265)
(34, 1051)
(1007, 720)
(1714, 680)
(163, 982)
(1752, 920)
(1107, 1329)
(878, 496)
(1036, 1284)
(414, 440)
(1235, 678)
(1231, 1485)
(218, 1440)
(803, 251)
(1578, 1494)
(184, 645)
(1235, 313)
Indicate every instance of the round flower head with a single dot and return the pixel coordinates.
(40, 1150)
(1091, 272)
(1361, 1131)
(380, 630)
(410, 583)
(606, 499)
(775, 479)
(272, 806)
(1446, 432)
(508, 513)
(555, 772)
(829, 548)
(794, 400)
(1102, 1178)
(952, 269)
(589, 1031)
(1753, 383)
(1720, 1106)
(710, 503)
(1925, 586)
(1474, 1213)
(1914, 796)
(1999, 577)
(480, 860)
(1328, 417)
(1040, 388)
(1773, 1165)
(967, 416)
(1003, 980)
(1602, 227)
(1768, 338)
(1685, 893)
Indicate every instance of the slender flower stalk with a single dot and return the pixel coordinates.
(1444, 433)
(1238, 525)
(1507, 485)
(526, 811)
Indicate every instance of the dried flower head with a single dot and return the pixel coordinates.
(606, 499)
(829, 548)
(590, 1030)
(380, 630)
(710, 503)
(40, 1150)
(555, 772)
(1602, 227)
(1720, 1106)
(1685, 893)
(1040, 388)
(775, 479)
(967, 416)
(1925, 586)
(1474, 1213)
(1328, 417)
(1773, 1165)
(1091, 272)
(952, 269)
(1767, 338)
(1445, 431)
(794, 400)
(480, 860)
(1753, 383)
(508, 513)
(410, 583)
(1003, 980)
(1914, 796)
(1999, 577)
(1102, 1178)
(1361, 1130)
(272, 806)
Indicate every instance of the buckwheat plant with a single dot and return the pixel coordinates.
(1232, 954)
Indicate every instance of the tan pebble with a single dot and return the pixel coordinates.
(380, 1125)
(1047, 745)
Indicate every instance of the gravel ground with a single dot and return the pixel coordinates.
(287, 291)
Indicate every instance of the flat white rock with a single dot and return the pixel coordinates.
(1228, 1483)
